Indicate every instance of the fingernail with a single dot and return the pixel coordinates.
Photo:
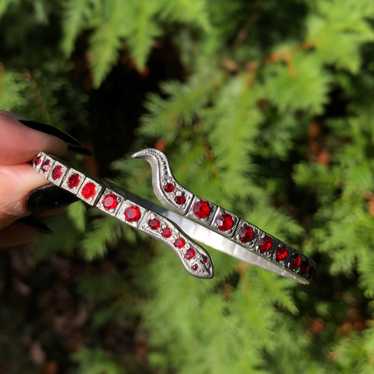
(36, 224)
(49, 197)
(73, 144)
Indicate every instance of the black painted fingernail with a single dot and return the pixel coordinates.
(36, 224)
(49, 197)
(73, 143)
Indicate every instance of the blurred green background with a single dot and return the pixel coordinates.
(263, 106)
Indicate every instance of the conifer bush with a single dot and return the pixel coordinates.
(265, 107)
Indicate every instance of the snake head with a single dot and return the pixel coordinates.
(175, 197)
(166, 188)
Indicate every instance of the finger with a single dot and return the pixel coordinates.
(15, 184)
(19, 143)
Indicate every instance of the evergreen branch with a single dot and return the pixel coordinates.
(105, 231)
(76, 13)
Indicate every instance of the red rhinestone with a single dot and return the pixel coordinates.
(281, 254)
(154, 223)
(202, 209)
(74, 180)
(45, 165)
(37, 160)
(266, 245)
(132, 213)
(179, 243)
(57, 172)
(205, 259)
(166, 232)
(190, 254)
(89, 190)
(296, 262)
(110, 201)
(180, 199)
(246, 234)
(194, 267)
(169, 187)
(225, 222)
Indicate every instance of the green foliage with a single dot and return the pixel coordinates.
(354, 355)
(77, 213)
(338, 29)
(95, 361)
(135, 21)
(265, 108)
(307, 85)
(104, 232)
(12, 89)
(4, 4)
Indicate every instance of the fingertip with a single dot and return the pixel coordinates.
(16, 182)
(20, 143)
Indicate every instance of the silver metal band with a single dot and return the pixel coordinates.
(184, 219)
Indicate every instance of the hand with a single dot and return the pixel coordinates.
(18, 145)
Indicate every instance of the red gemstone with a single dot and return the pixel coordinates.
(281, 254)
(169, 187)
(190, 254)
(180, 199)
(194, 267)
(179, 243)
(154, 223)
(205, 259)
(57, 172)
(45, 165)
(37, 160)
(74, 180)
(296, 262)
(89, 190)
(247, 233)
(202, 209)
(166, 232)
(110, 201)
(132, 213)
(225, 222)
(266, 245)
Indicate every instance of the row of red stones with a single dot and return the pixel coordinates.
(282, 253)
(169, 187)
(110, 201)
(88, 190)
(166, 232)
(155, 224)
(202, 210)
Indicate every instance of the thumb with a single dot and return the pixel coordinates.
(15, 184)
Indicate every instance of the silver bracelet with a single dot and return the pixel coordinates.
(185, 218)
